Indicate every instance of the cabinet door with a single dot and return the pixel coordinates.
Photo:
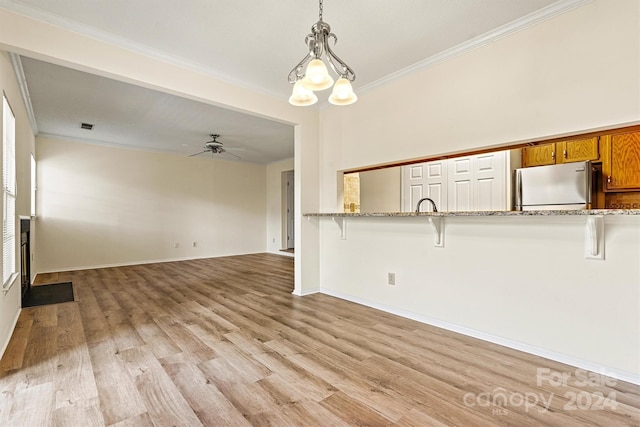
(578, 150)
(621, 169)
(539, 155)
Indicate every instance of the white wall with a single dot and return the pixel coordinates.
(110, 206)
(10, 301)
(380, 190)
(522, 281)
(275, 207)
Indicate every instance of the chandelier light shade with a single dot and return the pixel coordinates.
(316, 75)
(342, 93)
(301, 96)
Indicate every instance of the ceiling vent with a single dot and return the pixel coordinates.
(87, 126)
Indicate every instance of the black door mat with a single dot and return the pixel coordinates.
(48, 294)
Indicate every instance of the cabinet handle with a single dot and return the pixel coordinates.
(564, 153)
(609, 179)
(553, 155)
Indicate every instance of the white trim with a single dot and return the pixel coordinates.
(143, 262)
(307, 292)
(106, 143)
(135, 147)
(282, 253)
(520, 24)
(24, 90)
(123, 43)
(12, 281)
(527, 21)
(10, 334)
(505, 342)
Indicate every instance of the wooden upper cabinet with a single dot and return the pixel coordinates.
(539, 155)
(575, 150)
(621, 162)
(578, 150)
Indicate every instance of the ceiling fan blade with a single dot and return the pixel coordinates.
(197, 154)
(237, 157)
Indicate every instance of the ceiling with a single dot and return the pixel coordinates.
(250, 43)
(131, 116)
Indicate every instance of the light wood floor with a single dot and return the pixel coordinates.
(222, 342)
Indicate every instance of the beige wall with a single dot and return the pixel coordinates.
(102, 206)
(520, 282)
(10, 300)
(380, 190)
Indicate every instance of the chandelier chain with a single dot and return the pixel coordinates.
(320, 10)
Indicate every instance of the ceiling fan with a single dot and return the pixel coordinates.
(215, 147)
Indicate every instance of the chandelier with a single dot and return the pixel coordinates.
(316, 77)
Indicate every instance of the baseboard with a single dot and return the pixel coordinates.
(143, 262)
(12, 330)
(281, 253)
(309, 292)
(474, 333)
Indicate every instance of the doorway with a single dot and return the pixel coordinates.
(290, 211)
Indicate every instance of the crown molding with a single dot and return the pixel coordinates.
(24, 90)
(123, 43)
(512, 27)
(108, 144)
(522, 23)
(103, 143)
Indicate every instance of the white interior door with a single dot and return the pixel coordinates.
(490, 181)
(290, 211)
(424, 180)
(460, 184)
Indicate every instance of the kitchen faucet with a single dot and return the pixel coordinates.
(433, 204)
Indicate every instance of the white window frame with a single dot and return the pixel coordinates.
(9, 268)
(33, 185)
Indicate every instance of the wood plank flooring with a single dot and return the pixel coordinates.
(222, 342)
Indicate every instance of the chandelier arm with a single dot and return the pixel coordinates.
(296, 73)
(344, 71)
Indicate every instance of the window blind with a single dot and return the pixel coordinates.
(9, 193)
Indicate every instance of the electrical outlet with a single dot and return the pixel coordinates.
(392, 278)
(195, 244)
(274, 240)
(176, 245)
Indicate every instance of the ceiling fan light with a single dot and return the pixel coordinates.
(317, 76)
(342, 93)
(302, 96)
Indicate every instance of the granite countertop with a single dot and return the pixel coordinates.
(481, 213)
